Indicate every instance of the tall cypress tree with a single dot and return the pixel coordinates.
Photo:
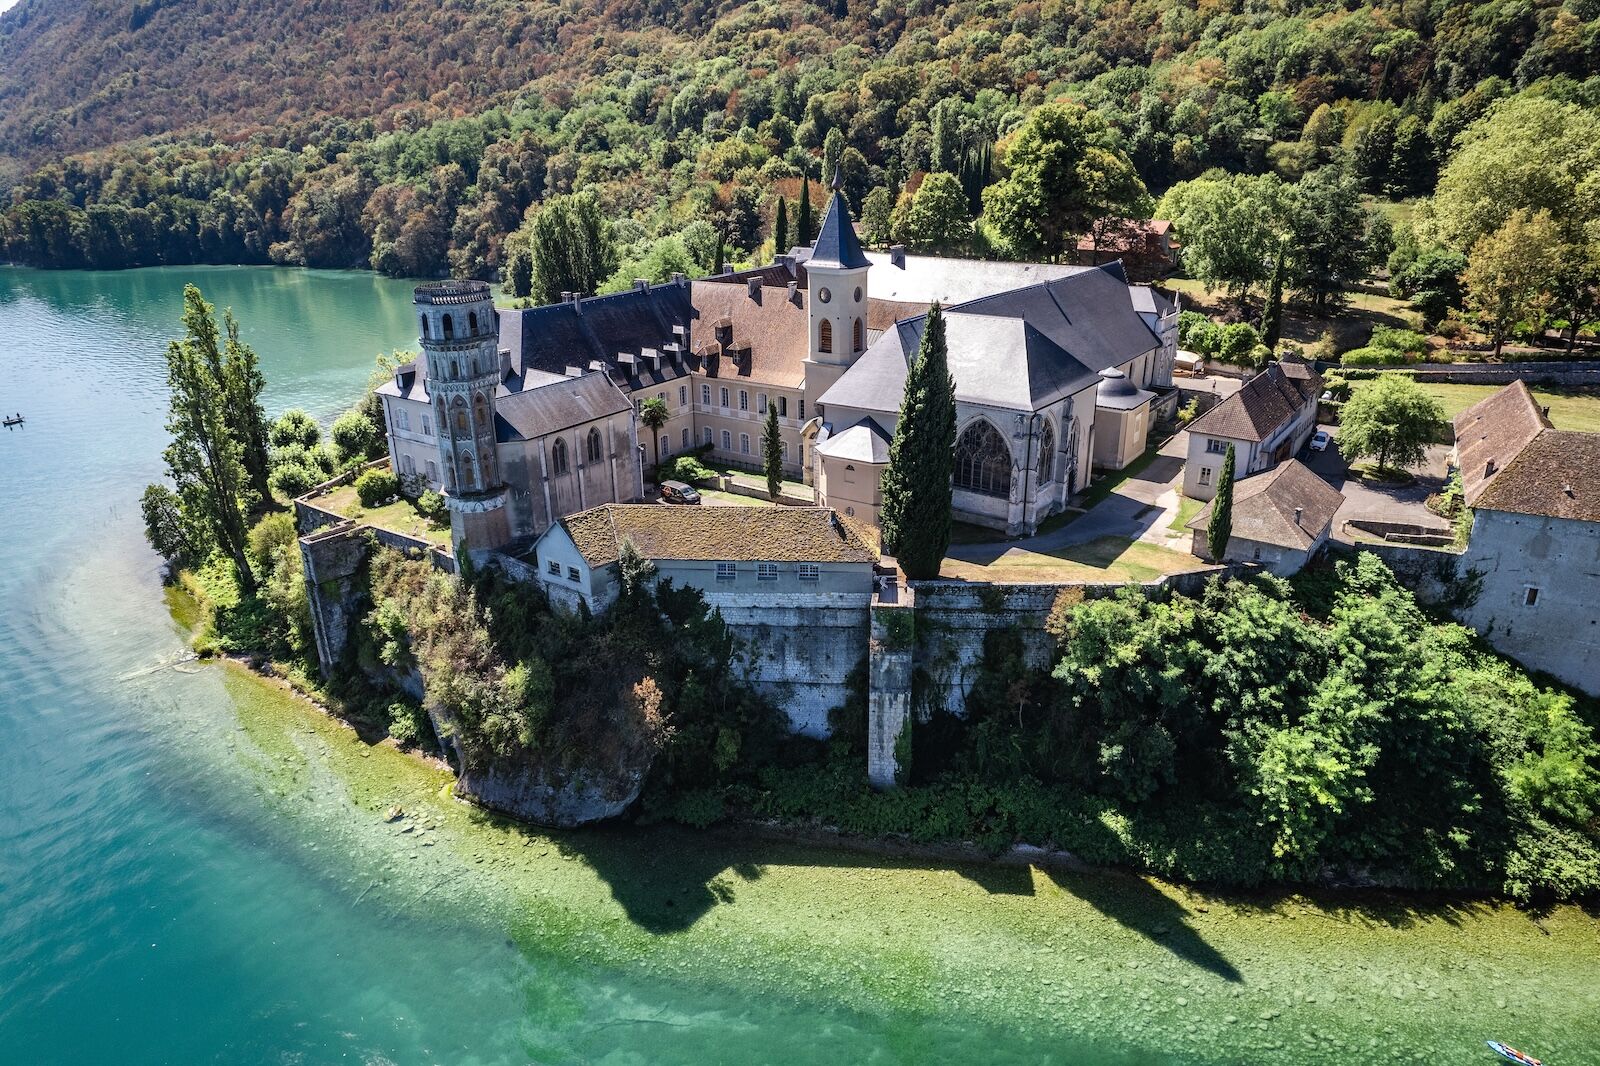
(1272, 315)
(772, 451)
(805, 234)
(1220, 528)
(915, 518)
(780, 227)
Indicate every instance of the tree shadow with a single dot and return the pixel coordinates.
(1135, 904)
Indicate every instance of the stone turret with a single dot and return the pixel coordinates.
(460, 339)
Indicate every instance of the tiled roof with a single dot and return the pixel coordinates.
(556, 406)
(727, 534)
(1555, 475)
(1265, 404)
(768, 333)
(1493, 431)
(836, 244)
(1264, 507)
(864, 442)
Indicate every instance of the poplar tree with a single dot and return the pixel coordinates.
(571, 246)
(780, 227)
(243, 381)
(772, 450)
(915, 517)
(205, 458)
(805, 233)
(1220, 528)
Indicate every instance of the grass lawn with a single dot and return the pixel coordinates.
(717, 496)
(1569, 408)
(1187, 509)
(1367, 306)
(1107, 559)
(400, 516)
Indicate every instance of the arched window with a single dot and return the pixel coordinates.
(558, 457)
(825, 337)
(860, 336)
(472, 322)
(468, 478)
(1047, 452)
(594, 445)
(983, 461)
(480, 411)
(424, 326)
(449, 328)
(460, 415)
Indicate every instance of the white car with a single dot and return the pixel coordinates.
(1320, 441)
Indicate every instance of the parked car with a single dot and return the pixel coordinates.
(678, 492)
(1320, 441)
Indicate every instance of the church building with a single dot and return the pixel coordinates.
(523, 416)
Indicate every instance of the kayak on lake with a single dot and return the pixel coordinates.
(1511, 1053)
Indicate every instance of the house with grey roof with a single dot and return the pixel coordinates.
(1281, 519)
(1534, 549)
(1267, 421)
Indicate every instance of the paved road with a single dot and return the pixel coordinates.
(1361, 500)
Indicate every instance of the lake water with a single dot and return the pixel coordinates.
(195, 867)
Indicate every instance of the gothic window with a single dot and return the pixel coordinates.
(825, 337)
(594, 445)
(860, 336)
(424, 326)
(449, 328)
(1047, 452)
(472, 322)
(461, 415)
(983, 461)
(480, 412)
(468, 478)
(558, 457)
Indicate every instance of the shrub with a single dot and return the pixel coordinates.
(292, 479)
(1189, 411)
(1260, 356)
(1326, 349)
(406, 724)
(1201, 335)
(1408, 341)
(1371, 356)
(431, 506)
(355, 438)
(376, 486)
(687, 468)
(1237, 343)
(295, 427)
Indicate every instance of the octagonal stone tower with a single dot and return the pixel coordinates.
(461, 342)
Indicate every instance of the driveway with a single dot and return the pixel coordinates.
(1363, 500)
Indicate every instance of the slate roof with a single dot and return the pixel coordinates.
(836, 244)
(1495, 429)
(1263, 405)
(1555, 475)
(726, 534)
(1264, 506)
(600, 328)
(864, 442)
(922, 279)
(1118, 393)
(1022, 349)
(768, 334)
(558, 405)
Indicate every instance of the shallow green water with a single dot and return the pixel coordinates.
(195, 867)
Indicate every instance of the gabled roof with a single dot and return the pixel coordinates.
(559, 405)
(1264, 507)
(1021, 349)
(1491, 433)
(1555, 475)
(922, 279)
(836, 244)
(1263, 405)
(768, 334)
(716, 534)
(864, 442)
(600, 328)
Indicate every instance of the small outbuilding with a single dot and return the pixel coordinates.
(1281, 519)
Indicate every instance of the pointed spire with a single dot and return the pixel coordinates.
(836, 244)
(838, 178)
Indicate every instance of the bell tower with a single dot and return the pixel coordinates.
(460, 340)
(836, 287)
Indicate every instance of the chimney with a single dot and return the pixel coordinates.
(679, 278)
(641, 284)
(574, 372)
(566, 296)
(752, 288)
(1488, 469)
(794, 292)
(897, 255)
(577, 302)
(1298, 511)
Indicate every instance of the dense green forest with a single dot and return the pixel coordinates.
(414, 138)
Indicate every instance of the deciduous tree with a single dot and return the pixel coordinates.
(1392, 419)
(1512, 273)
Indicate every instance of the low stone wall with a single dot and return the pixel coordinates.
(1570, 372)
(1403, 532)
(732, 485)
(1432, 574)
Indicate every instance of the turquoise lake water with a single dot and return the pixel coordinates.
(194, 868)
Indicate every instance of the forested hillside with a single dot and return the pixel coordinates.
(413, 136)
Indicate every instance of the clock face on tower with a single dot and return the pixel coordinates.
(824, 295)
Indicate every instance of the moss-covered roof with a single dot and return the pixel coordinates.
(727, 534)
